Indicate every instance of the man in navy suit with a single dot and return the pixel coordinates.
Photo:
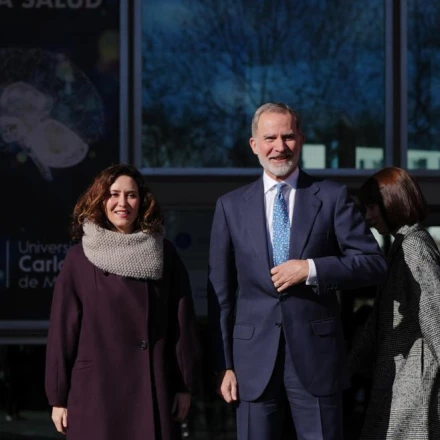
(275, 319)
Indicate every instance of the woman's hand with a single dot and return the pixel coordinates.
(59, 418)
(181, 405)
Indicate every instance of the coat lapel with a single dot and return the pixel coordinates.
(397, 243)
(398, 239)
(254, 217)
(306, 208)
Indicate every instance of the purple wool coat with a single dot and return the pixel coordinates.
(119, 349)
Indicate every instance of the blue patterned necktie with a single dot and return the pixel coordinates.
(281, 228)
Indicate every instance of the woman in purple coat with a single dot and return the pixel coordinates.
(122, 351)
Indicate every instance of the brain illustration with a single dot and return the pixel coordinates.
(49, 109)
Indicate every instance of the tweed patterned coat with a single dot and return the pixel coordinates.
(402, 337)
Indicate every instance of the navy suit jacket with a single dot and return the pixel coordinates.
(246, 312)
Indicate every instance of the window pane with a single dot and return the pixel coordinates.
(189, 230)
(423, 84)
(208, 64)
(435, 232)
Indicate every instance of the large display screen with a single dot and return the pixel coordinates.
(59, 126)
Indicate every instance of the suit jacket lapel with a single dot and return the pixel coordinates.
(254, 217)
(306, 208)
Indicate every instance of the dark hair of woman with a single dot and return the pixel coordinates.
(90, 205)
(398, 195)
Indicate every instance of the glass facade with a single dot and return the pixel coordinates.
(423, 85)
(435, 232)
(189, 230)
(207, 66)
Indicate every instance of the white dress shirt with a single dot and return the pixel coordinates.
(289, 191)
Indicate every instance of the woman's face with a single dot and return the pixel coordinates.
(374, 218)
(122, 206)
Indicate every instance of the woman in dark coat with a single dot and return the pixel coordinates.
(401, 339)
(122, 351)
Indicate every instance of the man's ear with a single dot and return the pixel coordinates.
(253, 144)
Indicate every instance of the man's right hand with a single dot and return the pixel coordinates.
(227, 386)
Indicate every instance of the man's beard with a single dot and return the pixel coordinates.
(280, 170)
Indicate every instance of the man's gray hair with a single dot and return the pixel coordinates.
(274, 107)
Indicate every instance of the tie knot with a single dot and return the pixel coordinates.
(280, 187)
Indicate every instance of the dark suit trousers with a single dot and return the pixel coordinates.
(315, 418)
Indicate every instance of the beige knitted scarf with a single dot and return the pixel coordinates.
(137, 255)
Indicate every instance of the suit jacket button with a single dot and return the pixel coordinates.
(279, 324)
(143, 345)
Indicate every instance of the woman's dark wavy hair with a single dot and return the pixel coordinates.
(398, 195)
(91, 204)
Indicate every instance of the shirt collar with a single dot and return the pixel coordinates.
(291, 180)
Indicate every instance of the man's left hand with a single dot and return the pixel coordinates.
(290, 273)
